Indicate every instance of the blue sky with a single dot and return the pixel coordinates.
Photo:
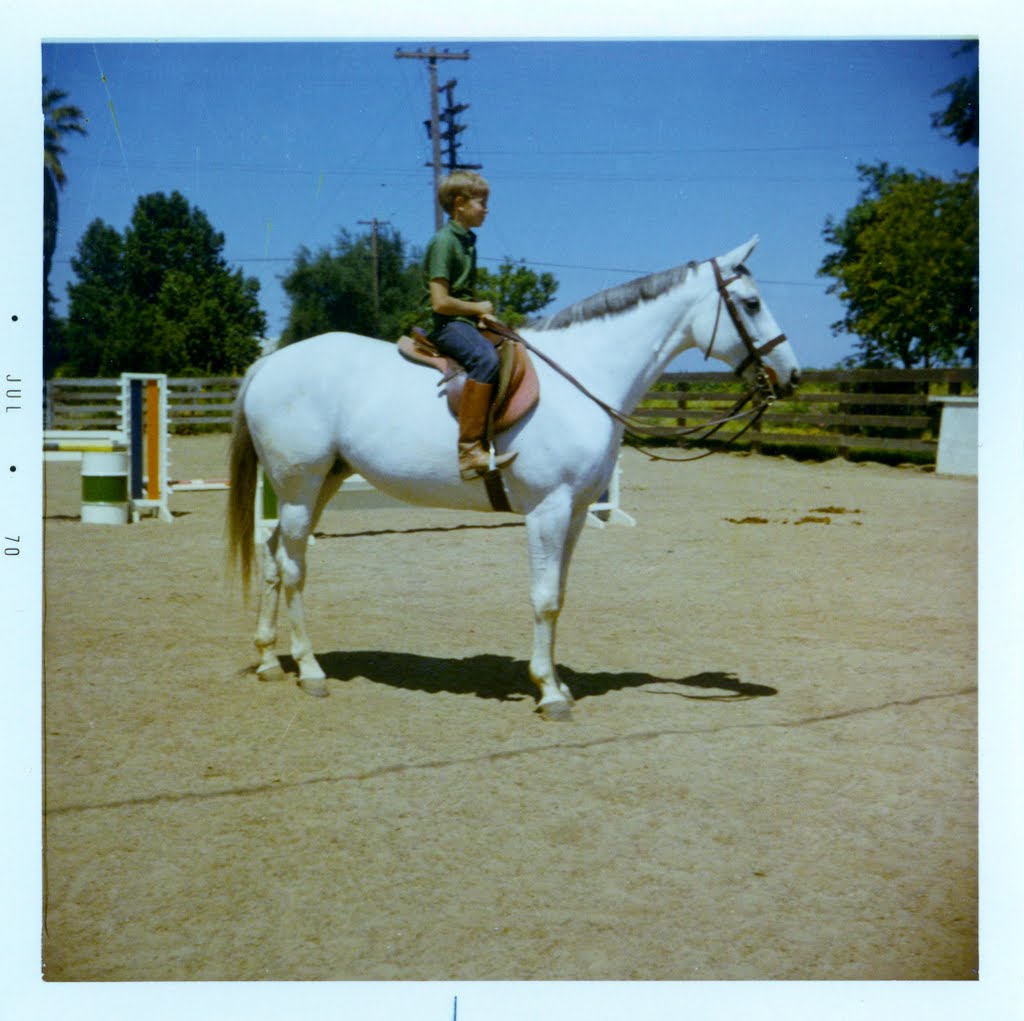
(608, 159)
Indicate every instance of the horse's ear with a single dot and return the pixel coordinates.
(738, 256)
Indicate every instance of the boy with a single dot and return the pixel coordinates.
(450, 273)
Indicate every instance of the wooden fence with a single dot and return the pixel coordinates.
(833, 412)
(849, 413)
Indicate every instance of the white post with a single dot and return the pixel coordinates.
(607, 509)
(134, 430)
(958, 436)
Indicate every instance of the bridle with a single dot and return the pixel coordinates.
(760, 396)
(755, 353)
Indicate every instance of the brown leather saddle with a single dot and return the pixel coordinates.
(517, 389)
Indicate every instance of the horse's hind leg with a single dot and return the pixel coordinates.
(269, 667)
(292, 561)
(299, 508)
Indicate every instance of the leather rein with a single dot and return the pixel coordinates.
(762, 393)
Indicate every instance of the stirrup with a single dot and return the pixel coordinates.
(498, 461)
(495, 462)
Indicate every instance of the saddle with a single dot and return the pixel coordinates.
(517, 390)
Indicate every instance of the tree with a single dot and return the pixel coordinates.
(960, 119)
(516, 291)
(59, 120)
(160, 297)
(906, 266)
(333, 290)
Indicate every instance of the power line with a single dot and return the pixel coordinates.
(401, 176)
(531, 263)
(713, 150)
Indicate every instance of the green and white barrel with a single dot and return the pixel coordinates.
(105, 488)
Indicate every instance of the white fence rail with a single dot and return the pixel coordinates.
(192, 403)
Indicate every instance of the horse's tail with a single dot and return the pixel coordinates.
(243, 470)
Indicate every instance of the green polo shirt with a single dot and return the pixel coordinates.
(451, 256)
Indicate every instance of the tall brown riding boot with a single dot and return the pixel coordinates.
(474, 459)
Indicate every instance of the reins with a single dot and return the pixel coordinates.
(762, 389)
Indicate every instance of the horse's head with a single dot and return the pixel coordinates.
(737, 326)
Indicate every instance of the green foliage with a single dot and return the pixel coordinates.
(516, 291)
(160, 297)
(906, 266)
(960, 119)
(334, 290)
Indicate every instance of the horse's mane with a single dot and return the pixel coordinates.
(616, 299)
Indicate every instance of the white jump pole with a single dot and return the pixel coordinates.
(607, 510)
(71, 444)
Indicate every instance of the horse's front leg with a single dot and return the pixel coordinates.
(552, 530)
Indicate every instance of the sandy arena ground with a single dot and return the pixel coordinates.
(771, 773)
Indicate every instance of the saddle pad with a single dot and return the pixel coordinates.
(518, 389)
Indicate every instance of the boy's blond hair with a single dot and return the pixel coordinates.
(461, 182)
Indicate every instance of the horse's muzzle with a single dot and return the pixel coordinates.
(783, 389)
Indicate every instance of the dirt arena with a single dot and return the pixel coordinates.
(771, 773)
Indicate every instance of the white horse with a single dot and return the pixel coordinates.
(316, 412)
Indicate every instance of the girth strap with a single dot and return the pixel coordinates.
(496, 490)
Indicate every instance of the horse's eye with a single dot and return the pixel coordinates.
(752, 305)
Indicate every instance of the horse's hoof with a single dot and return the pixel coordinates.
(555, 712)
(273, 673)
(315, 686)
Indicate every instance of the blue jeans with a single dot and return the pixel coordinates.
(474, 352)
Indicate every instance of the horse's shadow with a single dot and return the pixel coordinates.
(507, 679)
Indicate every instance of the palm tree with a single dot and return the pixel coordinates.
(59, 120)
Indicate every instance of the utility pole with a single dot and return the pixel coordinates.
(374, 226)
(432, 56)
